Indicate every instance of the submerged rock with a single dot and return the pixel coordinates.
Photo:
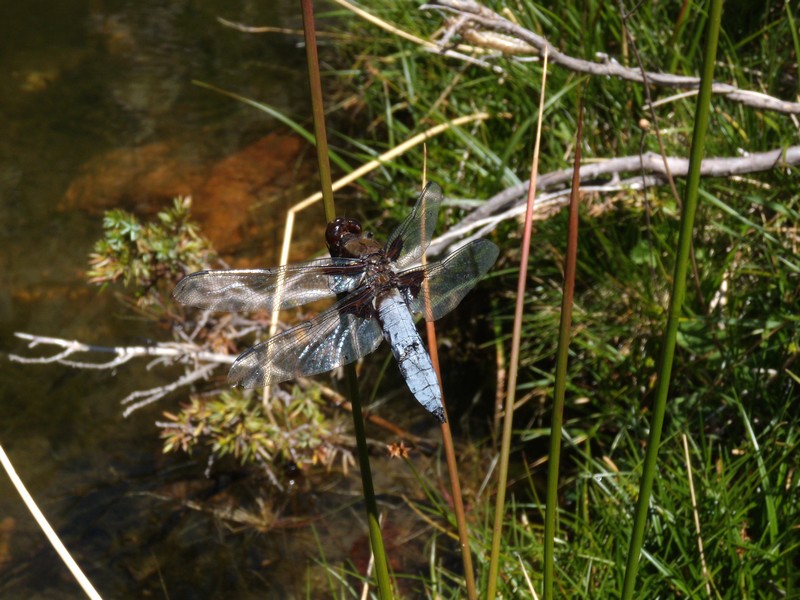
(144, 179)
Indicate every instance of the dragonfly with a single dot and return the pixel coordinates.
(381, 288)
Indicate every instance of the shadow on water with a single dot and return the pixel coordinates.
(98, 110)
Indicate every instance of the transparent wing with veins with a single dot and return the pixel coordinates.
(244, 290)
(450, 280)
(347, 331)
(413, 235)
(334, 338)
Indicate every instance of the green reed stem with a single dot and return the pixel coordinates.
(318, 110)
(560, 385)
(373, 518)
(513, 363)
(676, 300)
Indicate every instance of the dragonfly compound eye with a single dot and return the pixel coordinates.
(340, 228)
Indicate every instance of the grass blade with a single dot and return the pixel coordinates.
(560, 384)
(508, 420)
(676, 299)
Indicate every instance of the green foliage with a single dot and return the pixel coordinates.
(739, 338)
(400, 89)
(149, 258)
(734, 380)
(295, 432)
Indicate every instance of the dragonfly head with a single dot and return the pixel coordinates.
(340, 231)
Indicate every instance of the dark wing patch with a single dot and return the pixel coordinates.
(407, 243)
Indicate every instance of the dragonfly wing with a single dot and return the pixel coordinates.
(334, 338)
(264, 289)
(407, 243)
(450, 280)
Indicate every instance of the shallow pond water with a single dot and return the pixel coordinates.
(88, 83)
(99, 110)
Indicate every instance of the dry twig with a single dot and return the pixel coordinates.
(475, 16)
(510, 203)
(201, 363)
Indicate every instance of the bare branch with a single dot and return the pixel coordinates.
(123, 353)
(156, 393)
(509, 203)
(512, 206)
(164, 351)
(184, 353)
(473, 16)
(503, 206)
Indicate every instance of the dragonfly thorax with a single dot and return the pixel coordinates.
(379, 271)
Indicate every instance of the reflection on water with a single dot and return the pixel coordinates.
(86, 81)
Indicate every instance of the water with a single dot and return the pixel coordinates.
(81, 81)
